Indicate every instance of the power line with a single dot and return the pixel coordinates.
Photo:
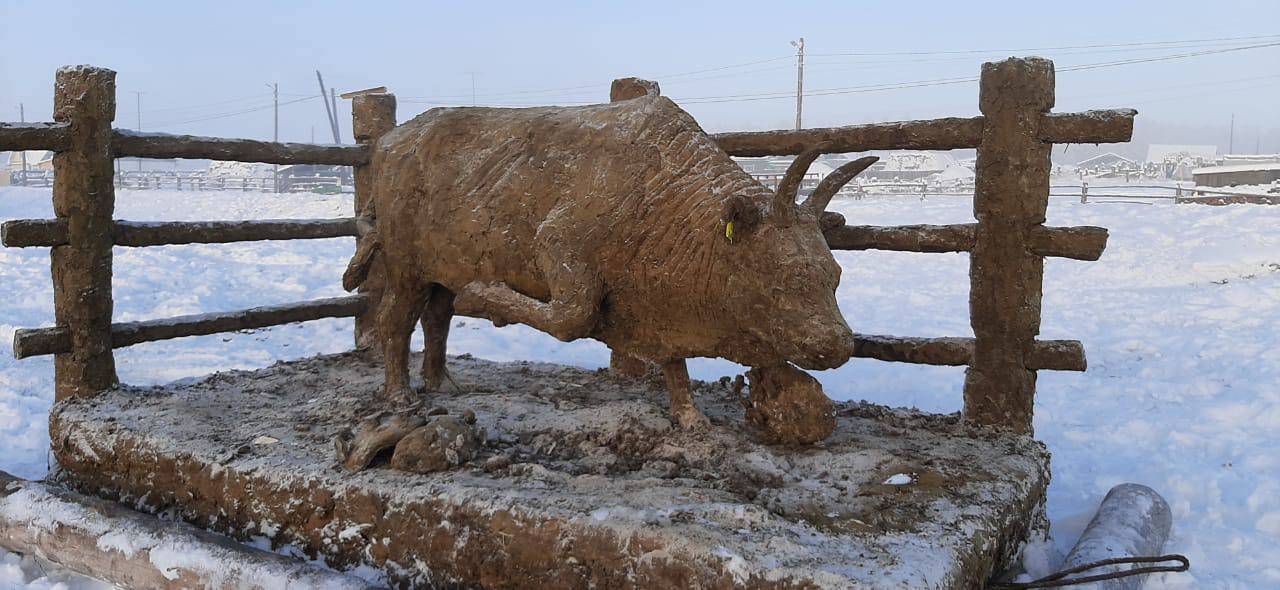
(235, 113)
(1061, 47)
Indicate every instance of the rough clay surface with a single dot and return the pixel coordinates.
(788, 406)
(582, 481)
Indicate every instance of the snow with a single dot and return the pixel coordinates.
(1178, 319)
(898, 479)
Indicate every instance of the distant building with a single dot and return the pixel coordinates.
(909, 166)
(1237, 174)
(1108, 164)
(1178, 161)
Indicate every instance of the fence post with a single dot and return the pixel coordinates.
(372, 116)
(84, 196)
(1010, 199)
(1084, 191)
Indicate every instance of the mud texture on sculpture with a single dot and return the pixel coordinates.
(623, 222)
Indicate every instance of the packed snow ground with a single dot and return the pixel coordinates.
(1179, 320)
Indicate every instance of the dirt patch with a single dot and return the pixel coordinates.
(581, 480)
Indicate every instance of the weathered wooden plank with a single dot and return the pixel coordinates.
(906, 238)
(1082, 242)
(23, 233)
(1079, 243)
(1054, 355)
(934, 134)
(1098, 126)
(372, 116)
(1006, 278)
(35, 136)
(75, 530)
(56, 340)
(163, 145)
(136, 233)
(27, 233)
(84, 198)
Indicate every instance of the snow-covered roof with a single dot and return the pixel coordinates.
(1157, 152)
(915, 161)
(1238, 168)
(1107, 157)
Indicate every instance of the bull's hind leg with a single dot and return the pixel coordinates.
(435, 329)
(402, 301)
(683, 411)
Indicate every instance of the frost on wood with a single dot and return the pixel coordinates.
(580, 478)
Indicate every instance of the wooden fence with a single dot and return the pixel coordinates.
(1007, 244)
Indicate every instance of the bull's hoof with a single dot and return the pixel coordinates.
(690, 418)
(434, 383)
(400, 397)
(356, 449)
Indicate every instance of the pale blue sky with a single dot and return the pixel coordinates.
(183, 55)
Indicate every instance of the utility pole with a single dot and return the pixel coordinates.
(1231, 143)
(328, 107)
(799, 45)
(275, 130)
(22, 118)
(138, 97)
(473, 88)
(333, 102)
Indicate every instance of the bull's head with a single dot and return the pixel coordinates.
(786, 260)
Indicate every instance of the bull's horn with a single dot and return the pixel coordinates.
(817, 202)
(784, 199)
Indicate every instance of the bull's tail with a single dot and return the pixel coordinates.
(368, 249)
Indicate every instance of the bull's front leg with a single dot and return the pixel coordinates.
(572, 313)
(687, 415)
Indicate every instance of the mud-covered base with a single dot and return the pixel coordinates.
(582, 482)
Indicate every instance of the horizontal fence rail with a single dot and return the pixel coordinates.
(35, 136)
(1102, 126)
(24, 233)
(57, 340)
(1057, 355)
(1079, 243)
(127, 143)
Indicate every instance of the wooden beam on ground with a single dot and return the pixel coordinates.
(25, 233)
(1052, 355)
(34, 136)
(55, 340)
(1100, 126)
(107, 541)
(935, 134)
(163, 145)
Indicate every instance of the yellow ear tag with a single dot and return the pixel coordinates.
(728, 231)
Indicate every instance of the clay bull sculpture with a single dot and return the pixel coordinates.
(623, 222)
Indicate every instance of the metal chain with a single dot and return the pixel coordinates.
(1056, 580)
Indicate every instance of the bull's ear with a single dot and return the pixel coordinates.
(740, 218)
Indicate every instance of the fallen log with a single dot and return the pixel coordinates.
(56, 340)
(162, 145)
(107, 541)
(1132, 521)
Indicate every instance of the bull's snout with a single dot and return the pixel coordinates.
(829, 348)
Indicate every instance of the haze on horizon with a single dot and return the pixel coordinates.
(203, 68)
